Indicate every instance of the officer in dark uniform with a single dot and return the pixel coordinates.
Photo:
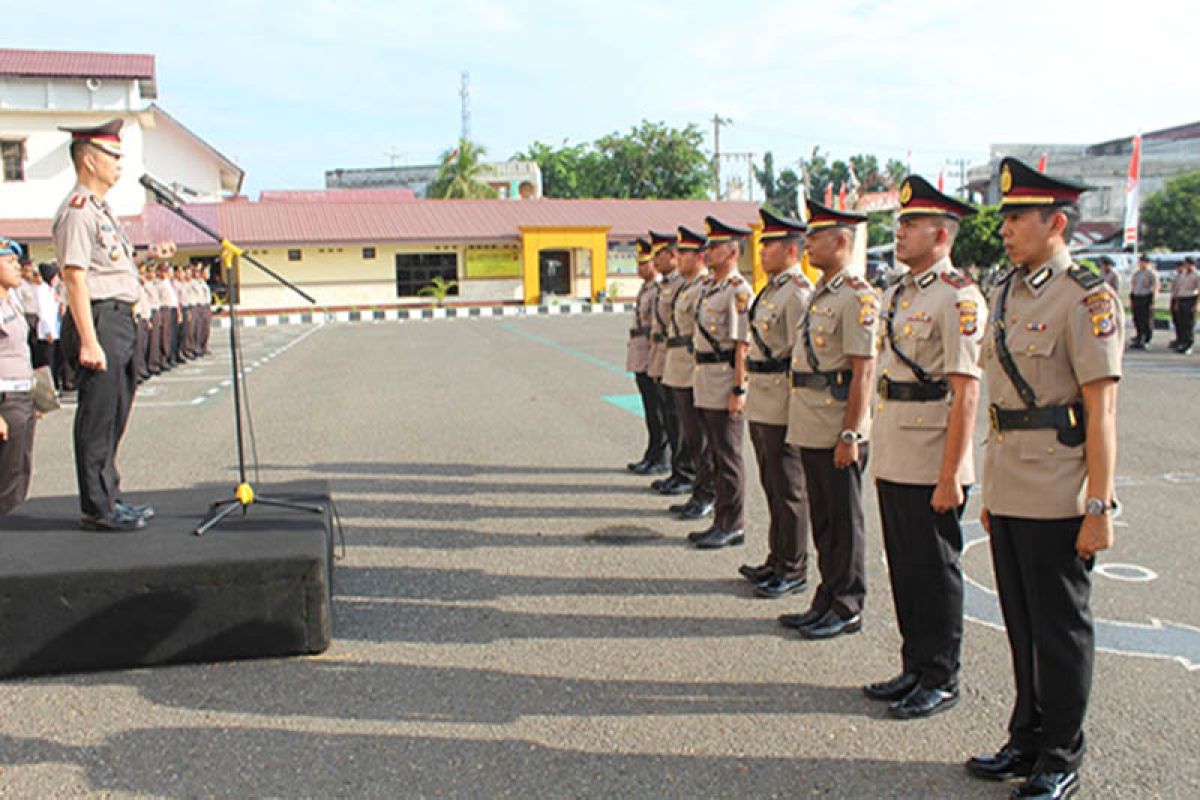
(97, 261)
(1052, 360)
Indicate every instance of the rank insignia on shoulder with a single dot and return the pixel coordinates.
(77, 201)
(855, 282)
(957, 280)
(1085, 277)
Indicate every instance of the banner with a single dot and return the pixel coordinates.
(1130, 237)
(499, 262)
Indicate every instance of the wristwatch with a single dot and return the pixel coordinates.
(850, 437)
(1095, 507)
(738, 391)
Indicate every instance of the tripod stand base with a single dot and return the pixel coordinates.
(244, 497)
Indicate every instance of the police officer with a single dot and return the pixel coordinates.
(680, 370)
(206, 312)
(102, 286)
(1143, 289)
(1185, 288)
(637, 361)
(923, 463)
(17, 419)
(833, 366)
(666, 259)
(719, 341)
(773, 318)
(1052, 360)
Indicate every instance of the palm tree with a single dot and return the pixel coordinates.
(458, 175)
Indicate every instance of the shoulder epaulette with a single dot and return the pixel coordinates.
(1004, 277)
(77, 201)
(957, 280)
(1084, 277)
(855, 282)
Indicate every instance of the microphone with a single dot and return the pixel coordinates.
(161, 191)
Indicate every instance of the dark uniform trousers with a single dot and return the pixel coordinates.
(141, 369)
(656, 423)
(68, 379)
(781, 472)
(105, 399)
(1143, 312)
(696, 442)
(16, 452)
(206, 330)
(835, 501)
(724, 432)
(154, 358)
(924, 553)
(1183, 311)
(1044, 589)
(682, 467)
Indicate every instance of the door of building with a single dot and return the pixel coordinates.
(554, 272)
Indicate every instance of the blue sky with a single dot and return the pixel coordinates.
(291, 89)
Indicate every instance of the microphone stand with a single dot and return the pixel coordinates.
(244, 495)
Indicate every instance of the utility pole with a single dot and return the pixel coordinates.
(717, 122)
(464, 92)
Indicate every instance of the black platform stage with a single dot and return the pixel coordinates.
(259, 585)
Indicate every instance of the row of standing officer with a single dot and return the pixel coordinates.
(174, 317)
(1053, 360)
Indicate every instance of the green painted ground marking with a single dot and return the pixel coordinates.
(627, 402)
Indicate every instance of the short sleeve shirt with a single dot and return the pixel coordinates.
(637, 353)
(773, 318)
(723, 315)
(680, 366)
(88, 236)
(1144, 282)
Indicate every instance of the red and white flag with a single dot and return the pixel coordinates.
(842, 197)
(1042, 162)
(1131, 194)
(829, 195)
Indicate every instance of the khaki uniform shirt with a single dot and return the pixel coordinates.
(1185, 284)
(88, 236)
(841, 320)
(662, 322)
(774, 315)
(723, 312)
(15, 362)
(637, 352)
(939, 323)
(1061, 336)
(1144, 281)
(681, 364)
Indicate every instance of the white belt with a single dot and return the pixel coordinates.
(15, 386)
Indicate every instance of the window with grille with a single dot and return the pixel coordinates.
(417, 270)
(14, 160)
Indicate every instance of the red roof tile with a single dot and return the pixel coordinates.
(337, 196)
(64, 64)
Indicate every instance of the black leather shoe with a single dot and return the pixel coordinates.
(1008, 763)
(679, 508)
(638, 467)
(758, 574)
(675, 487)
(922, 702)
(1048, 786)
(798, 621)
(696, 536)
(894, 689)
(657, 484)
(116, 522)
(715, 540)
(831, 625)
(697, 511)
(145, 512)
(657, 469)
(778, 586)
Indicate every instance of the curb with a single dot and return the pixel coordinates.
(253, 320)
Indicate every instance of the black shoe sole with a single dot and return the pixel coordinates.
(852, 628)
(939, 708)
(769, 595)
(731, 542)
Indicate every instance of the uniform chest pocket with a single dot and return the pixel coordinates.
(932, 416)
(1034, 346)
(823, 329)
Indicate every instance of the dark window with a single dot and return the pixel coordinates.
(294, 255)
(416, 270)
(14, 160)
(368, 252)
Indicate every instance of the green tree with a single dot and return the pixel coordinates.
(459, 173)
(782, 192)
(881, 228)
(1171, 217)
(978, 243)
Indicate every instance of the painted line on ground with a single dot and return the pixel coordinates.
(562, 348)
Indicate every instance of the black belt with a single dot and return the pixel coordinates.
(680, 341)
(838, 383)
(915, 391)
(120, 305)
(767, 365)
(1067, 420)
(658, 337)
(715, 358)
(635, 333)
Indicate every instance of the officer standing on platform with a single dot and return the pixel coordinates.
(637, 361)
(1185, 288)
(774, 315)
(923, 462)
(833, 366)
(666, 258)
(1143, 289)
(720, 341)
(1052, 359)
(680, 372)
(102, 285)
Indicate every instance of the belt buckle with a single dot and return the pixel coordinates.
(994, 417)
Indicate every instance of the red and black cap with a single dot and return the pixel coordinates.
(719, 232)
(918, 198)
(1023, 187)
(777, 227)
(690, 241)
(660, 240)
(644, 250)
(821, 217)
(107, 137)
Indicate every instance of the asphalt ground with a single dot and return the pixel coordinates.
(516, 615)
